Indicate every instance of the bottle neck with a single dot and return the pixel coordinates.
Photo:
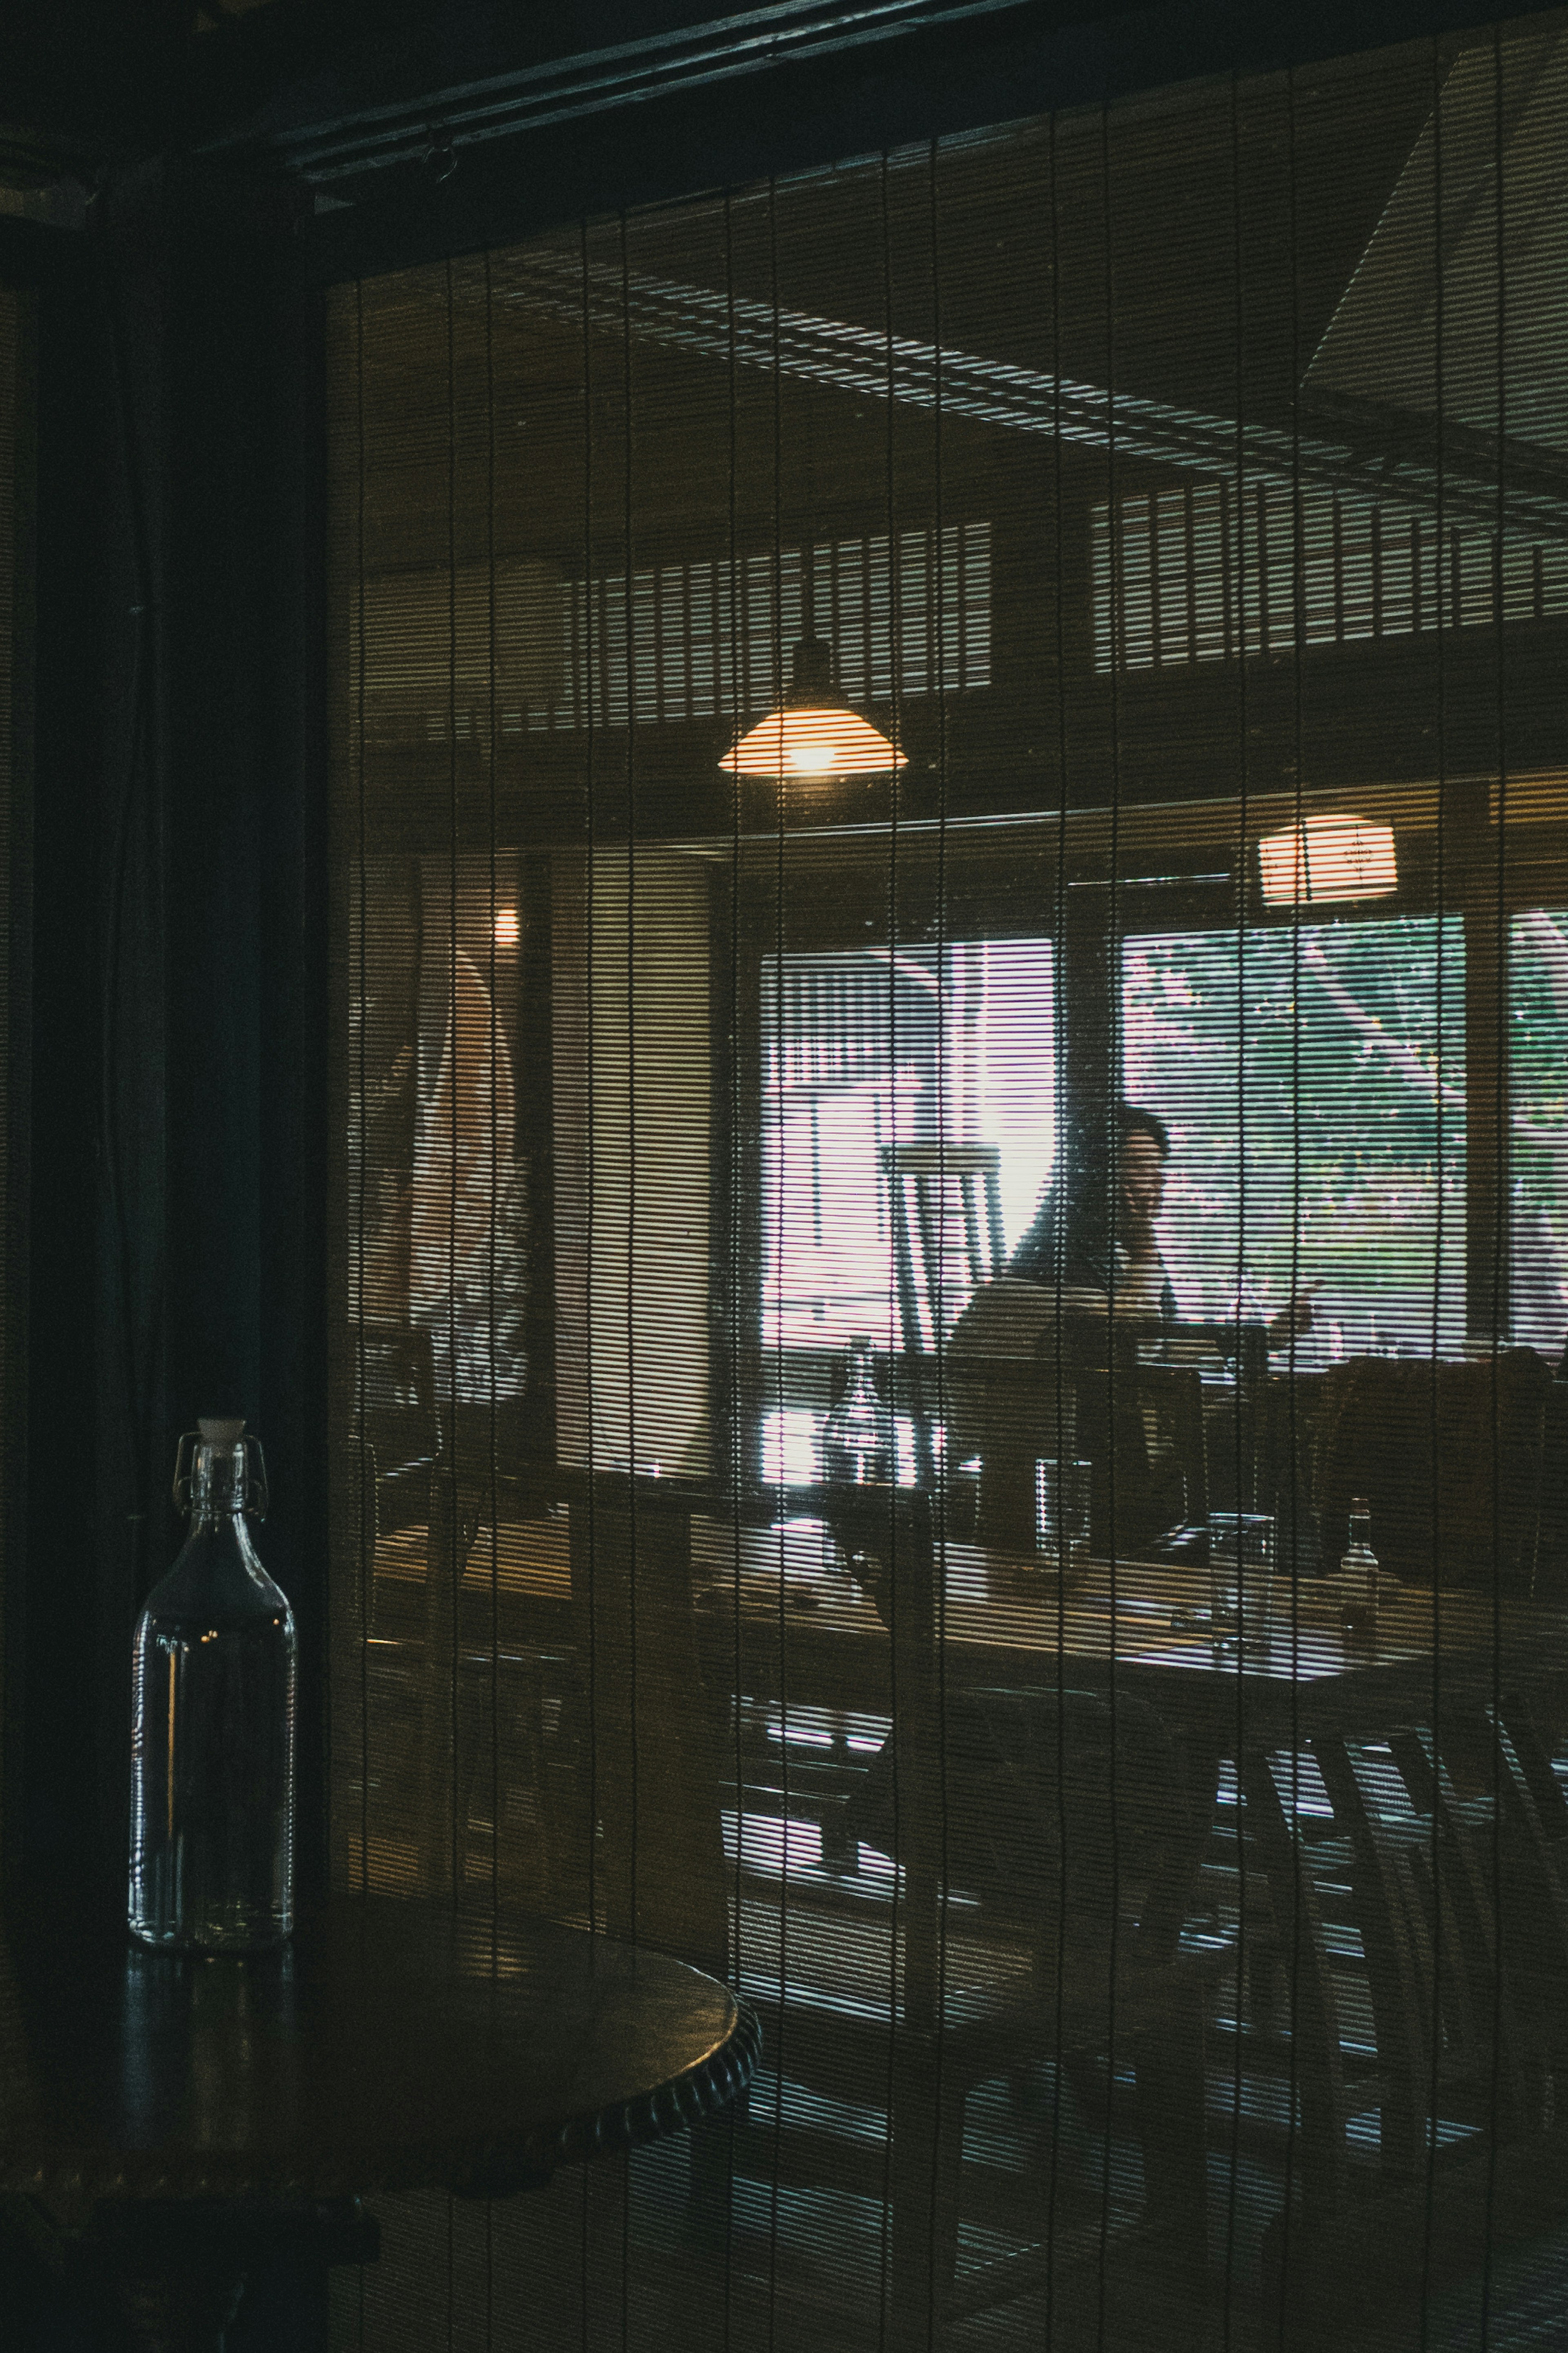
(217, 1486)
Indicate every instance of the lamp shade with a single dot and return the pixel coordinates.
(814, 731)
(1327, 858)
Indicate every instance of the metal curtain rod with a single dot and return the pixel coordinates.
(1533, 505)
(582, 82)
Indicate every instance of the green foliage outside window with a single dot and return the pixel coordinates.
(1538, 1062)
(1314, 1084)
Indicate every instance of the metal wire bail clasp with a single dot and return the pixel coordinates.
(257, 1493)
(184, 1455)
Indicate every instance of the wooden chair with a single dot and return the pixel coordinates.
(1449, 1456)
(461, 1696)
(1006, 1413)
(401, 1507)
(645, 1829)
(396, 1418)
(1453, 1843)
(587, 1762)
(1080, 1380)
(1026, 1913)
(1419, 1882)
(1486, 1773)
(946, 1203)
(518, 1690)
(1142, 1427)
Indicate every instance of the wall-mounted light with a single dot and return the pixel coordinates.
(814, 733)
(508, 929)
(1327, 858)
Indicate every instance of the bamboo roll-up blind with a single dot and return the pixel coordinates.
(13, 306)
(1151, 1059)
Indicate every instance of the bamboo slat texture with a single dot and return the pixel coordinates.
(1158, 478)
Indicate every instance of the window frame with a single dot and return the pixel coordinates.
(1195, 886)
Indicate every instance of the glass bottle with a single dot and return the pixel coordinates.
(212, 1755)
(856, 1436)
(1358, 1569)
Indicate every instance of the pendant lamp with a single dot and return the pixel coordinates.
(814, 733)
(1327, 859)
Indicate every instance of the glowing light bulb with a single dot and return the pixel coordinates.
(803, 742)
(814, 759)
(814, 731)
(508, 929)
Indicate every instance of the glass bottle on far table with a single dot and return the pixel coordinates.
(1357, 1570)
(857, 1440)
(212, 1761)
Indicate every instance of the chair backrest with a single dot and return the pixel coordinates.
(1011, 1407)
(1174, 1395)
(947, 1232)
(946, 1203)
(394, 1404)
(387, 1458)
(1045, 1807)
(1035, 1803)
(650, 1842)
(1064, 1805)
(1141, 1428)
(1449, 1456)
(1010, 1411)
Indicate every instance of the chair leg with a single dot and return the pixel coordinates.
(951, 2104)
(915, 2280)
(710, 2188)
(1319, 2070)
(930, 2097)
(1169, 2068)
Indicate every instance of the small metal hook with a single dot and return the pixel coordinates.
(439, 157)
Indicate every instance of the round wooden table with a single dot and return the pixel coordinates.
(176, 2120)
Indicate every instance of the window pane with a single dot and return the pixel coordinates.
(1538, 1043)
(1300, 1077)
(863, 1049)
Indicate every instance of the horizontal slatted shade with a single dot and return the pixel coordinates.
(1143, 477)
(13, 312)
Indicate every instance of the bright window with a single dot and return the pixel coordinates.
(1313, 1082)
(867, 1048)
(1538, 1062)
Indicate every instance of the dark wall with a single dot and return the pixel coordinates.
(80, 1534)
(244, 872)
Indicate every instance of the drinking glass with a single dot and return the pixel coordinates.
(1241, 1561)
(1061, 1511)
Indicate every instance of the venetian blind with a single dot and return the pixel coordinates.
(869, 1273)
(11, 348)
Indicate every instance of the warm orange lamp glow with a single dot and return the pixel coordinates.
(1327, 858)
(509, 930)
(814, 733)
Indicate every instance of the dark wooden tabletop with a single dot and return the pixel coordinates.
(1007, 1620)
(391, 2046)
